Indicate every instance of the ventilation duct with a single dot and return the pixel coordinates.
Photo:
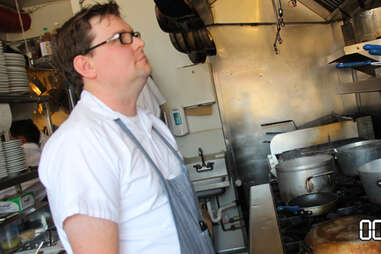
(9, 21)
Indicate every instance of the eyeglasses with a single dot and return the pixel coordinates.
(124, 38)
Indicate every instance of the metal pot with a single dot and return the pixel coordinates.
(352, 156)
(305, 175)
(370, 174)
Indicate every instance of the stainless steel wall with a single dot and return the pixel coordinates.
(255, 86)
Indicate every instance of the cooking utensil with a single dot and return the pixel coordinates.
(306, 174)
(350, 157)
(359, 63)
(370, 175)
(39, 247)
(294, 209)
(340, 236)
(376, 52)
(371, 46)
(315, 203)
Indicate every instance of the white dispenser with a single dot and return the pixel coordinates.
(178, 122)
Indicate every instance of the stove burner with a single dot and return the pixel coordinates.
(294, 227)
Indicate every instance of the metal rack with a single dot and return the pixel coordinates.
(30, 98)
(27, 175)
(27, 98)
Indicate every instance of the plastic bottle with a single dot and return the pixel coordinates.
(45, 45)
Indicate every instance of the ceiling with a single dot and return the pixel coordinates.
(25, 3)
(327, 9)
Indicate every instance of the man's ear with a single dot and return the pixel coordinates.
(83, 65)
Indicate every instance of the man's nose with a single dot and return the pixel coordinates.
(138, 43)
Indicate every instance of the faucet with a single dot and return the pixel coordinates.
(204, 166)
(201, 154)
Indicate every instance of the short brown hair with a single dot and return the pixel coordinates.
(74, 37)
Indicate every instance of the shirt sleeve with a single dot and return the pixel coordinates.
(81, 176)
(156, 91)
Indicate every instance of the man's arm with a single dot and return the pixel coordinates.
(91, 235)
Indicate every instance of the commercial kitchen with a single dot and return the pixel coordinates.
(279, 106)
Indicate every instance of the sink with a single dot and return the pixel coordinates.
(209, 181)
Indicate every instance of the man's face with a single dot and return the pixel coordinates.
(118, 65)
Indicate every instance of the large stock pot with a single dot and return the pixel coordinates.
(305, 175)
(352, 156)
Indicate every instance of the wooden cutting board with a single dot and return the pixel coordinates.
(340, 236)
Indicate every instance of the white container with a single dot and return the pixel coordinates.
(178, 122)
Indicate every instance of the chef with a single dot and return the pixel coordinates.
(115, 179)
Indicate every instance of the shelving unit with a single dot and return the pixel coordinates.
(363, 86)
(42, 63)
(28, 214)
(27, 98)
(27, 175)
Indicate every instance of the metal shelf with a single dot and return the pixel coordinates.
(363, 86)
(27, 175)
(42, 63)
(28, 98)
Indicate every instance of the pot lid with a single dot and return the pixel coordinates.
(371, 167)
(305, 162)
(365, 143)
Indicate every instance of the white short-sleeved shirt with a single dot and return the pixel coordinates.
(89, 166)
(151, 98)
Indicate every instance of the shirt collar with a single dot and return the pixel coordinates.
(96, 105)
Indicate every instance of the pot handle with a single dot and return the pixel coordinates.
(308, 185)
(378, 183)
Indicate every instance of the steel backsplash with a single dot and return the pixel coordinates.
(255, 86)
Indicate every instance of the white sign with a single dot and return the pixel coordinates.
(369, 233)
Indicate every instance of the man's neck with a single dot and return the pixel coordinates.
(119, 101)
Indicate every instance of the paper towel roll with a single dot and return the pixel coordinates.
(5, 118)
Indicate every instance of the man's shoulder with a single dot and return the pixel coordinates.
(78, 126)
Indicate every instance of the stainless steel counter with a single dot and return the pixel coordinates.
(264, 230)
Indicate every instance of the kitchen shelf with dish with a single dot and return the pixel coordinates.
(28, 174)
(364, 57)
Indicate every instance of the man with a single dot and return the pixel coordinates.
(115, 180)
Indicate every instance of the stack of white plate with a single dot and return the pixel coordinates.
(18, 79)
(3, 164)
(15, 157)
(4, 86)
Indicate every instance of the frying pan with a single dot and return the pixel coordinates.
(313, 203)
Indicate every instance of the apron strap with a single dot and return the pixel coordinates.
(169, 145)
(141, 148)
(162, 179)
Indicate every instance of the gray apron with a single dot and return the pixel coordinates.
(192, 231)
